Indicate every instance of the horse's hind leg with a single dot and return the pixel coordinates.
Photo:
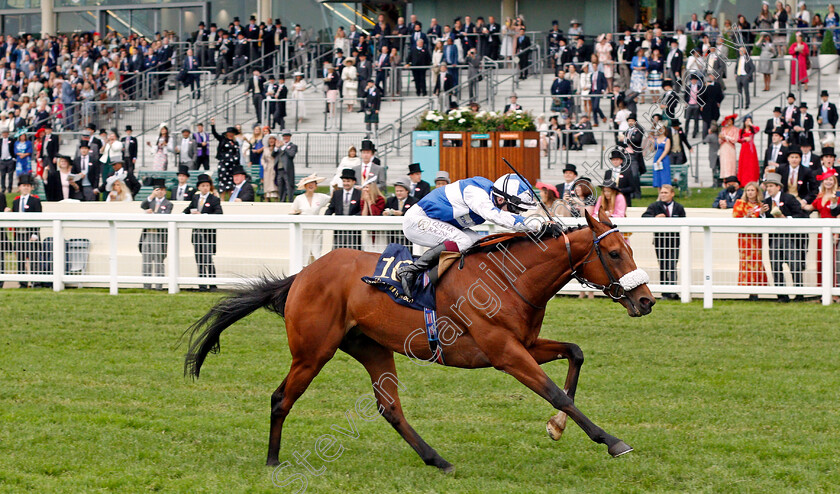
(379, 362)
(308, 358)
(545, 351)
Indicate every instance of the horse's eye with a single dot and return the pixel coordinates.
(615, 254)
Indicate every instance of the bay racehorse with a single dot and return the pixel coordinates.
(492, 308)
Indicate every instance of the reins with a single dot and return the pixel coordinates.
(614, 289)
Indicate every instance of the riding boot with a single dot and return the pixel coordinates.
(408, 273)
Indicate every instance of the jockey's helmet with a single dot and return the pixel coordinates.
(516, 193)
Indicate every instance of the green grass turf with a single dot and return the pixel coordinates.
(743, 397)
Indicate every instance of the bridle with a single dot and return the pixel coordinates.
(617, 288)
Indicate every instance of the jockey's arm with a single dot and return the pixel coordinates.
(480, 203)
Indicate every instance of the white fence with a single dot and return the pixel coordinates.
(99, 249)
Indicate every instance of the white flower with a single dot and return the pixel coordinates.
(461, 120)
(519, 111)
(494, 114)
(481, 114)
(451, 118)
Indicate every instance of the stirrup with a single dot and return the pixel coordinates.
(407, 277)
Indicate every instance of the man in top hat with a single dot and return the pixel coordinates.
(619, 167)
(346, 201)
(789, 248)
(693, 98)
(776, 152)
(49, 148)
(633, 147)
(802, 124)
(710, 104)
(442, 179)
(129, 149)
(791, 109)
(809, 157)
(674, 61)
(670, 102)
(666, 244)
(679, 143)
(826, 115)
(252, 34)
(373, 103)
(204, 239)
(243, 191)
(744, 70)
(569, 176)
(731, 192)
(286, 167)
(91, 170)
(7, 162)
(419, 187)
(278, 109)
(368, 167)
(826, 163)
(776, 123)
(186, 149)
(27, 240)
(798, 180)
(256, 88)
(183, 191)
(118, 172)
(153, 241)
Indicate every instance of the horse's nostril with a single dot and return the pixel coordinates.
(646, 303)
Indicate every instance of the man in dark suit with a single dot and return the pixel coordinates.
(667, 244)
(27, 241)
(418, 187)
(633, 146)
(420, 58)
(243, 191)
(513, 105)
(444, 82)
(346, 201)
(523, 45)
(776, 123)
(49, 150)
(154, 241)
(256, 88)
(364, 71)
(827, 162)
(91, 169)
(789, 248)
(397, 205)
(674, 62)
(373, 101)
(619, 167)
(204, 239)
(129, 151)
(435, 31)
(776, 153)
(826, 115)
(201, 38)
(494, 29)
(731, 192)
(809, 157)
(281, 93)
(7, 162)
(190, 79)
(711, 100)
(416, 35)
(120, 173)
(798, 180)
(183, 191)
(598, 86)
(802, 125)
(286, 167)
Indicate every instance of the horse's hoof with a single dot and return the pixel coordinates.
(556, 425)
(448, 469)
(619, 448)
(272, 462)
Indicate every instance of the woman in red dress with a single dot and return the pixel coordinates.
(798, 66)
(750, 263)
(828, 204)
(37, 144)
(748, 158)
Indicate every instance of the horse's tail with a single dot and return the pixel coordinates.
(269, 292)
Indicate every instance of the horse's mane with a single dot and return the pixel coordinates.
(548, 230)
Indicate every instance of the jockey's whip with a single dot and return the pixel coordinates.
(530, 189)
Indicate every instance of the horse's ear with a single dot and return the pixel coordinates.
(589, 219)
(602, 217)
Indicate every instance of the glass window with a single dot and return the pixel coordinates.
(20, 4)
(75, 22)
(21, 23)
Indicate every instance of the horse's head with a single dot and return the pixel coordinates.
(610, 264)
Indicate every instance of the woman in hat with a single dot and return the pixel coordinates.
(119, 192)
(310, 202)
(350, 82)
(227, 153)
(829, 207)
(268, 161)
(729, 135)
(638, 69)
(748, 170)
(799, 65)
(765, 58)
(550, 198)
(298, 88)
(611, 199)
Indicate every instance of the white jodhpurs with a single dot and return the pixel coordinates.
(428, 232)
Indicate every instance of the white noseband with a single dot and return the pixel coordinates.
(633, 279)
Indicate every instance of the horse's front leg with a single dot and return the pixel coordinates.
(545, 351)
(516, 360)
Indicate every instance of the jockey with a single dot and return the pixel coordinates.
(441, 220)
